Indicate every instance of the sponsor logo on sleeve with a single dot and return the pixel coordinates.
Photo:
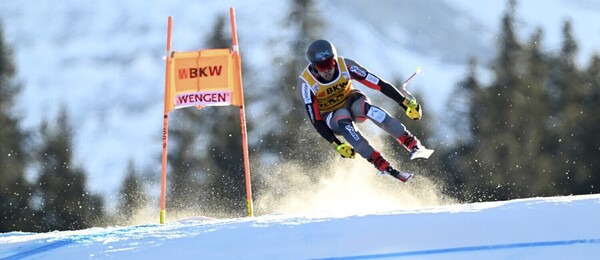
(352, 132)
(306, 93)
(311, 113)
(372, 79)
(358, 71)
(315, 88)
(376, 114)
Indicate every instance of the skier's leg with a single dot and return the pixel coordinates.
(362, 107)
(341, 122)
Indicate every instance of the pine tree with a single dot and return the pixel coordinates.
(533, 101)
(503, 155)
(226, 182)
(64, 202)
(574, 113)
(465, 112)
(499, 145)
(133, 197)
(15, 191)
(590, 130)
(462, 110)
(293, 131)
(187, 167)
(526, 134)
(571, 115)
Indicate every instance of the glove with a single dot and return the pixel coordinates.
(346, 151)
(413, 109)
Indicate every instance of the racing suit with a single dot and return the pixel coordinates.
(334, 106)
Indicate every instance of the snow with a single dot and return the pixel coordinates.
(533, 228)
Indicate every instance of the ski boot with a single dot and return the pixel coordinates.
(384, 167)
(414, 147)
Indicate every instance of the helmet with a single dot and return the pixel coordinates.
(321, 50)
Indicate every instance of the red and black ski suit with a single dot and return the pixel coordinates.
(334, 106)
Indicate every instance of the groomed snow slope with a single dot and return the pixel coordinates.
(535, 228)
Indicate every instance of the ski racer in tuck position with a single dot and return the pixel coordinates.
(333, 105)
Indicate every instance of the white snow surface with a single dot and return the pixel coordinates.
(534, 228)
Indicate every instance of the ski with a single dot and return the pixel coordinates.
(421, 153)
(401, 176)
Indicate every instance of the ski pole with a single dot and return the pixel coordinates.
(405, 92)
(413, 102)
(411, 77)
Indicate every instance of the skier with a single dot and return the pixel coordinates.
(333, 105)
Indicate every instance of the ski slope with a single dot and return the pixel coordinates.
(534, 228)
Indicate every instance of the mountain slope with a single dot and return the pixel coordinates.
(536, 228)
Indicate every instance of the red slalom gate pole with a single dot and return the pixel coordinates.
(163, 178)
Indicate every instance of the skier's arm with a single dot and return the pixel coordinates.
(362, 75)
(312, 108)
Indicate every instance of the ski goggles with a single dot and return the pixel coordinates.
(325, 65)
